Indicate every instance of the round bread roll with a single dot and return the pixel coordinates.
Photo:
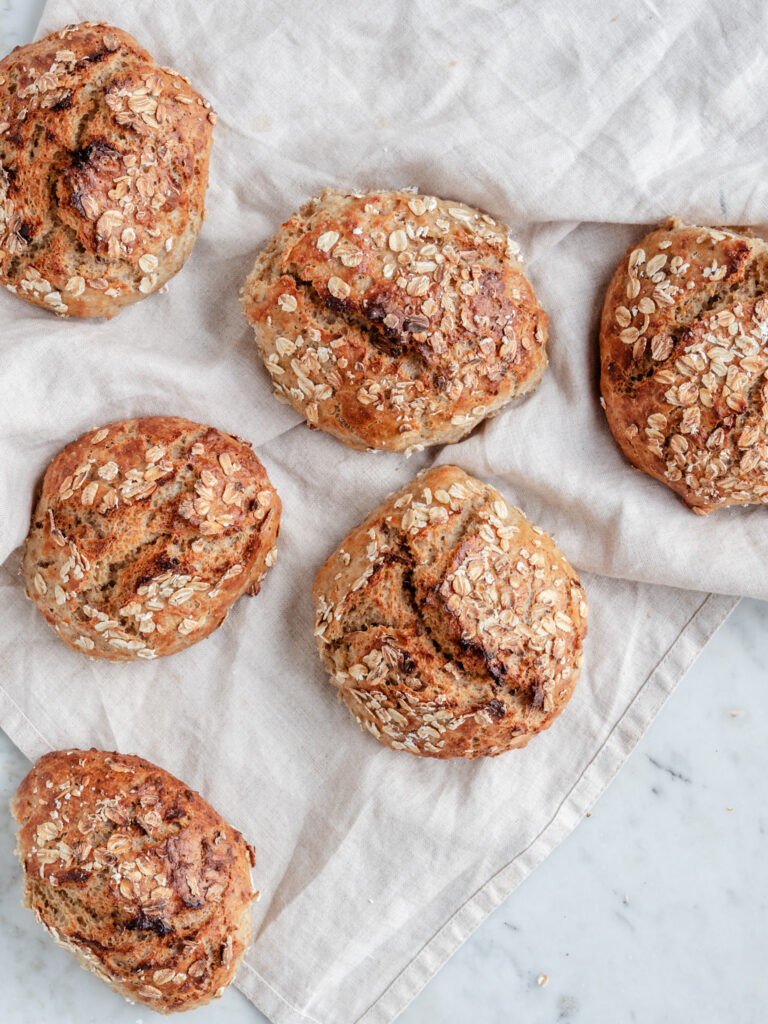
(684, 355)
(103, 171)
(451, 625)
(135, 874)
(145, 532)
(393, 320)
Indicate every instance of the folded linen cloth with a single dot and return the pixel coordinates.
(577, 127)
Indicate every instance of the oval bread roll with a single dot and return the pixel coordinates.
(684, 356)
(103, 171)
(135, 874)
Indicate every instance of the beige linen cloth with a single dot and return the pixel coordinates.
(577, 123)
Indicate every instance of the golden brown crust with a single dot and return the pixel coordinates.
(144, 534)
(684, 363)
(393, 320)
(135, 874)
(451, 625)
(103, 171)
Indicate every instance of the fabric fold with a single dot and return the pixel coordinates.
(579, 127)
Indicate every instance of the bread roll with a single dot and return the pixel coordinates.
(103, 171)
(450, 624)
(144, 534)
(393, 320)
(684, 355)
(135, 874)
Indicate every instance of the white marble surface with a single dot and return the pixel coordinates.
(654, 910)
(18, 21)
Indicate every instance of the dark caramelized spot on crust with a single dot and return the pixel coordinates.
(736, 256)
(65, 103)
(144, 923)
(496, 709)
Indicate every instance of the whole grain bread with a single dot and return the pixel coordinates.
(684, 361)
(394, 320)
(135, 874)
(144, 534)
(451, 625)
(103, 170)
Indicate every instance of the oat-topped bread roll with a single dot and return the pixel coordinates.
(135, 874)
(145, 532)
(394, 320)
(451, 625)
(684, 354)
(103, 170)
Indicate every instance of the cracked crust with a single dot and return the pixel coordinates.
(145, 533)
(393, 320)
(450, 624)
(103, 171)
(136, 875)
(684, 363)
